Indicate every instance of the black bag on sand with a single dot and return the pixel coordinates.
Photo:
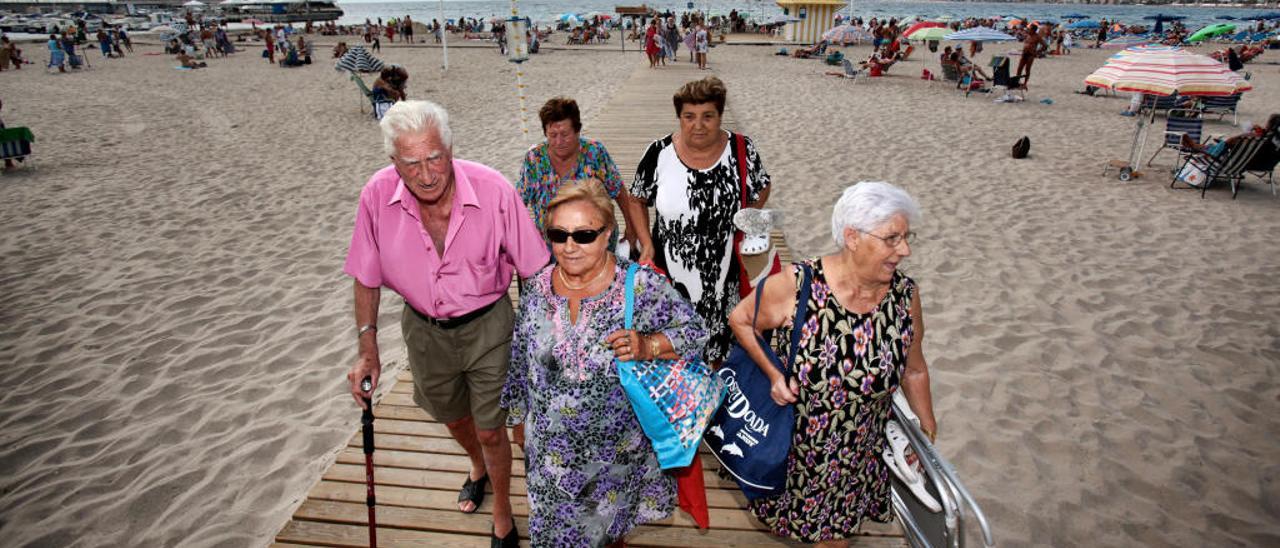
(1022, 148)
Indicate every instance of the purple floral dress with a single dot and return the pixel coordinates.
(592, 474)
(848, 366)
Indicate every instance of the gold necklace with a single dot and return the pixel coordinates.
(565, 280)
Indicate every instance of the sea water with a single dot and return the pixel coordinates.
(547, 11)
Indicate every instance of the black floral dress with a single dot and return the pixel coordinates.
(693, 227)
(848, 366)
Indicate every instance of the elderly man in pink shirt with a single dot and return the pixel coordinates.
(446, 235)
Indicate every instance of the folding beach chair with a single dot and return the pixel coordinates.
(365, 92)
(1000, 78)
(950, 73)
(1264, 161)
(922, 526)
(1222, 106)
(1227, 166)
(1162, 103)
(1180, 122)
(15, 144)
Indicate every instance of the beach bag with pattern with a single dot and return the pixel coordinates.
(673, 399)
(751, 434)
(1193, 173)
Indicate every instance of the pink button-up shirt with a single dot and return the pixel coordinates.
(490, 234)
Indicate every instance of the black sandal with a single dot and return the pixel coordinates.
(512, 540)
(473, 490)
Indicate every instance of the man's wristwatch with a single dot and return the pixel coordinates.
(365, 329)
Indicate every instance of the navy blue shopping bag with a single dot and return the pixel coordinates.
(750, 434)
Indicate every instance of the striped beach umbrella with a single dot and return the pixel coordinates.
(931, 33)
(980, 34)
(1166, 70)
(1123, 42)
(358, 59)
(921, 25)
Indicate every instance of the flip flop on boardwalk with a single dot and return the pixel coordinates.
(472, 491)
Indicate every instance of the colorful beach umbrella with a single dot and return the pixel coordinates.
(1216, 29)
(1084, 25)
(980, 34)
(930, 34)
(921, 25)
(846, 34)
(1166, 70)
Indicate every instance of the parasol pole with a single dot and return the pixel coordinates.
(444, 36)
(515, 55)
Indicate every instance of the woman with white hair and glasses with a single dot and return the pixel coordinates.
(861, 342)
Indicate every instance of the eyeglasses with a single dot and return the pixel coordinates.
(583, 237)
(894, 239)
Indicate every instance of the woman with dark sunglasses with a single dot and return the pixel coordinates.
(592, 473)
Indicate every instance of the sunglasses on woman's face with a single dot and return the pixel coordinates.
(583, 237)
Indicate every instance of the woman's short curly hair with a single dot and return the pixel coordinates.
(706, 90)
(560, 108)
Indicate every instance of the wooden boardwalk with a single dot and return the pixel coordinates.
(419, 468)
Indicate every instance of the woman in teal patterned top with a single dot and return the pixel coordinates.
(567, 156)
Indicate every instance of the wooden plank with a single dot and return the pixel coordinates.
(400, 517)
(356, 536)
(446, 499)
(435, 479)
(460, 463)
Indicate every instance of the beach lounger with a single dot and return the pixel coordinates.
(1228, 166)
(1180, 122)
(1222, 106)
(851, 72)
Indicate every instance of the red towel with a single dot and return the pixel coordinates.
(692, 492)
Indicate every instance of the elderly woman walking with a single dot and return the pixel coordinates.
(692, 178)
(592, 473)
(566, 156)
(862, 340)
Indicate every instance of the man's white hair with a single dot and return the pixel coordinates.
(867, 205)
(414, 117)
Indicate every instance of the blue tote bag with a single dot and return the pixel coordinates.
(750, 434)
(673, 399)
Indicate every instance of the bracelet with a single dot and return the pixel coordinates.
(653, 346)
(365, 329)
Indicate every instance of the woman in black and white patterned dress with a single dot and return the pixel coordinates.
(691, 179)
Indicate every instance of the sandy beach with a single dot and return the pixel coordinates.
(177, 327)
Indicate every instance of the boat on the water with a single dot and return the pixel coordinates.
(281, 11)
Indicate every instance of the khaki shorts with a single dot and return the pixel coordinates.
(459, 372)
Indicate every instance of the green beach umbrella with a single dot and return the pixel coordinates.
(1216, 29)
(931, 33)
